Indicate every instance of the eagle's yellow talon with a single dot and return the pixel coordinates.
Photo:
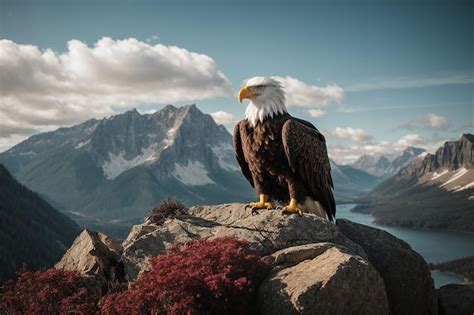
(262, 204)
(292, 208)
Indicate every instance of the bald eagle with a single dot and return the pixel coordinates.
(284, 158)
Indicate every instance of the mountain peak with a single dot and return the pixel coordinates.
(452, 156)
(467, 137)
(132, 111)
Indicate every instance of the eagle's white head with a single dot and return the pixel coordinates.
(266, 96)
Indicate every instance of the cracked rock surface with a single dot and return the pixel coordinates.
(267, 232)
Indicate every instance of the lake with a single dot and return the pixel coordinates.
(434, 246)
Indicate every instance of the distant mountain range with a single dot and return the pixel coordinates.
(110, 172)
(379, 165)
(434, 192)
(32, 232)
(106, 174)
(350, 183)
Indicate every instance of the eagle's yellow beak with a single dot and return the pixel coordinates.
(245, 93)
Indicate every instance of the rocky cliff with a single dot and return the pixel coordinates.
(451, 156)
(317, 267)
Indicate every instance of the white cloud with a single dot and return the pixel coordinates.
(152, 38)
(317, 113)
(349, 153)
(408, 141)
(349, 133)
(43, 89)
(224, 118)
(436, 122)
(404, 83)
(429, 121)
(300, 94)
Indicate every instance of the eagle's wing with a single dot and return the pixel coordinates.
(305, 148)
(239, 153)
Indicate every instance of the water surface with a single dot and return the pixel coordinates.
(434, 246)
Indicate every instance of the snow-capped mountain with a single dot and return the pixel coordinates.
(434, 192)
(380, 165)
(117, 168)
(451, 167)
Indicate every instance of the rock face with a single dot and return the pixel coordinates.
(322, 279)
(94, 254)
(451, 156)
(267, 232)
(318, 268)
(456, 299)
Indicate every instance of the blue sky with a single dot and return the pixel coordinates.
(405, 67)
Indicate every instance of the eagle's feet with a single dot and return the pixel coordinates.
(255, 206)
(262, 204)
(292, 208)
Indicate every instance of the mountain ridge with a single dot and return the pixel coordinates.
(31, 230)
(380, 165)
(439, 190)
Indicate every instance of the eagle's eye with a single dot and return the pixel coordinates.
(259, 87)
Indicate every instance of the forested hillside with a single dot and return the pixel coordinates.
(31, 230)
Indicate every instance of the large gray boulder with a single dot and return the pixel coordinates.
(322, 279)
(407, 278)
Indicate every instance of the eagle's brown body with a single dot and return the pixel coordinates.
(284, 157)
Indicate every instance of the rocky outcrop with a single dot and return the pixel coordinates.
(322, 279)
(456, 299)
(267, 232)
(317, 267)
(95, 254)
(451, 156)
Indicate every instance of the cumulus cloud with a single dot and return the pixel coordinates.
(429, 121)
(300, 94)
(317, 113)
(224, 118)
(349, 133)
(42, 89)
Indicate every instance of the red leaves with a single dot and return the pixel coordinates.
(218, 276)
(48, 292)
(212, 276)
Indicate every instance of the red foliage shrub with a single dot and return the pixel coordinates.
(216, 276)
(48, 292)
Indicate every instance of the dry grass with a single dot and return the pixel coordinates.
(168, 208)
